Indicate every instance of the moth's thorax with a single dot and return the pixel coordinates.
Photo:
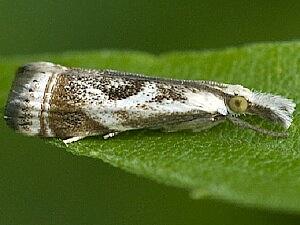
(239, 90)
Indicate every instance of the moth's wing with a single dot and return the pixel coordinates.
(195, 125)
(111, 101)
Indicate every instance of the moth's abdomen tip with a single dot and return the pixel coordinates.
(34, 68)
(32, 76)
(21, 116)
(23, 108)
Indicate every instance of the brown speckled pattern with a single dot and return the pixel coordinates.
(55, 101)
(76, 89)
(66, 118)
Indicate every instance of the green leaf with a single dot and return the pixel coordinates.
(224, 162)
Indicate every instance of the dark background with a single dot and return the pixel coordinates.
(40, 184)
(154, 26)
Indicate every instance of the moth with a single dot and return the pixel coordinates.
(51, 100)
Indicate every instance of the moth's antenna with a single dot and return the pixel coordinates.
(244, 124)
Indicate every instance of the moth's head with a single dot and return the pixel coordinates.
(240, 100)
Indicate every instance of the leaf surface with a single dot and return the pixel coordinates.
(224, 162)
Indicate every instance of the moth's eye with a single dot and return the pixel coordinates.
(238, 104)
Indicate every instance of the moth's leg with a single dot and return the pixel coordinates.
(110, 135)
(72, 139)
(207, 125)
(196, 125)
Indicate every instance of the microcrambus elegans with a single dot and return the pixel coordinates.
(50, 100)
